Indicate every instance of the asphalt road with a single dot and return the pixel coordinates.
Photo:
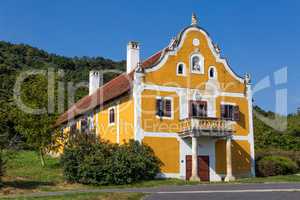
(229, 196)
(280, 191)
(230, 192)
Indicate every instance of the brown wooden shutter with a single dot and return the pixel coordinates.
(168, 108)
(159, 107)
(223, 115)
(204, 111)
(190, 108)
(236, 113)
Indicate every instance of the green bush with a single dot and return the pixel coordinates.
(275, 165)
(104, 163)
(293, 155)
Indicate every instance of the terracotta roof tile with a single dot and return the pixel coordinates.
(152, 59)
(112, 89)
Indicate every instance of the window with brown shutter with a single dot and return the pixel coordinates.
(236, 114)
(164, 107)
(230, 112)
(168, 108)
(159, 107)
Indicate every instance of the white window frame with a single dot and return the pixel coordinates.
(228, 103)
(183, 70)
(194, 99)
(201, 60)
(215, 73)
(115, 115)
(172, 108)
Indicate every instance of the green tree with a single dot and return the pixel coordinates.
(17, 57)
(37, 129)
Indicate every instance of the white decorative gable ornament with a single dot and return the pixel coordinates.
(194, 20)
(196, 42)
(197, 96)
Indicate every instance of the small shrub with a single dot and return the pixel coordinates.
(275, 165)
(104, 163)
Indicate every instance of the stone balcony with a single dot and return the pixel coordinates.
(211, 127)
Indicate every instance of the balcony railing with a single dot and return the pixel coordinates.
(206, 127)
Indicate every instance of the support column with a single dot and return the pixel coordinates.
(229, 176)
(194, 176)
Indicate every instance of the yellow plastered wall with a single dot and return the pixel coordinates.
(107, 131)
(166, 75)
(241, 159)
(241, 126)
(167, 150)
(126, 110)
(124, 107)
(151, 122)
(220, 150)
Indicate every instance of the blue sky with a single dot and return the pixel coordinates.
(257, 36)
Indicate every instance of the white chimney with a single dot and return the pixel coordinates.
(133, 55)
(95, 81)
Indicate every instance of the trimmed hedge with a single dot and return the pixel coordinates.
(275, 165)
(105, 163)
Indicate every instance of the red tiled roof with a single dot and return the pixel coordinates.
(152, 59)
(112, 89)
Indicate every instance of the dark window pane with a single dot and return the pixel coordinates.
(212, 73)
(180, 69)
(163, 107)
(198, 109)
(111, 115)
(168, 108)
(159, 107)
(228, 112)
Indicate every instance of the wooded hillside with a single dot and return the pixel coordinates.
(15, 58)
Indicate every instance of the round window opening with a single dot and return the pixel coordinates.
(196, 42)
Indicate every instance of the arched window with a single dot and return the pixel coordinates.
(212, 73)
(180, 69)
(197, 64)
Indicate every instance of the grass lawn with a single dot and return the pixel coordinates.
(271, 179)
(24, 174)
(26, 166)
(93, 196)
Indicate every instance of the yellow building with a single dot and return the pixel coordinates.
(184, 101)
